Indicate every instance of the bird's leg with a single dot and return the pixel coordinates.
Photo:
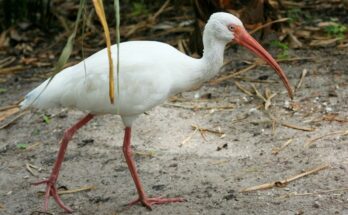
(146, 201)
(51, 189)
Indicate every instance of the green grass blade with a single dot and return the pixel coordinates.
(117, 16)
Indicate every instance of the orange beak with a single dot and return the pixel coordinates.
(243, 38)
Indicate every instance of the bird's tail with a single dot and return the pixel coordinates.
(33, 98)
(29, 100)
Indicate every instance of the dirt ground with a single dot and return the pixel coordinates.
(208, 171)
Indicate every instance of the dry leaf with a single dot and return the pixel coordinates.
(324, 43)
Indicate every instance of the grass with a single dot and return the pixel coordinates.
(283, 47)
(139, 8)
(46, 119)
(22, 145)
(294, 14)
(336, 30)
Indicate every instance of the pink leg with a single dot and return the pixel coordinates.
(51, 190)
(146, 201)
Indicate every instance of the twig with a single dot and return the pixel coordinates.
(258, 94)
(333, 117)
(189, 137)
(8, 107)
(269, 97)
(11, 69)
(288, 125)
(33, 146)
(7, 61)
(8, 112)
(145, 153)
(303, 75)
(294, 59)
(160, 10)
(227, 107)
(149, 21)
(218, 132)
(268, 24)
(276, 150)
(224, 78)
(285, 182)
(29, 167)
(312, 141)
(63, 192)
(239, 86)
(254, 80)
(218, 162)
(13, 120)
(84, 188)
(240, 119)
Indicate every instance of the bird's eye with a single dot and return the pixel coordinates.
(230, 27)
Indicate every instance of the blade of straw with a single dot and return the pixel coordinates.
(98, 5)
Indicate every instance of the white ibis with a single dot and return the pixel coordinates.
(150, 72)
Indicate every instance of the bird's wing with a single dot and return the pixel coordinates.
(144, 81)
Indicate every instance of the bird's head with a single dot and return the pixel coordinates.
(227, 27)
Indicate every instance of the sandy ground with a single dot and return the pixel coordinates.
(208, 172)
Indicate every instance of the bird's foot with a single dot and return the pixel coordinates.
(51, 190)
(148, 202)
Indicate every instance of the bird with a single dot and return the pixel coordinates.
(150, 72)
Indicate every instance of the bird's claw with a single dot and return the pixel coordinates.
(51, 190)
(148, 202)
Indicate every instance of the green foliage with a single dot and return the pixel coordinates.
(294, 14)
(46, 119)
(139, 8)
(298, 15)
(336, 30)
(3, 90)
(22, 146)
(284, 53)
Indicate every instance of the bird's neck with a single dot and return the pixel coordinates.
(201, 70)
(213, 56)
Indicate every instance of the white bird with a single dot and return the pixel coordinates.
(150, 72)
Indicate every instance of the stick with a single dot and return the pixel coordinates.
(85, 188)
(218, 132)
(310, 142)
(11, 69)
(227, 107)
(303, 75)
(14, 119)
(33, 146)
(288, 125)
(239, 86)
(276, 150)
(268, 24)
(285, 182)
(224, 78)
(189, 137)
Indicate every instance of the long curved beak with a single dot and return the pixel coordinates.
(243, 38)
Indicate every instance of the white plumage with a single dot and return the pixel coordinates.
(150, 72)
